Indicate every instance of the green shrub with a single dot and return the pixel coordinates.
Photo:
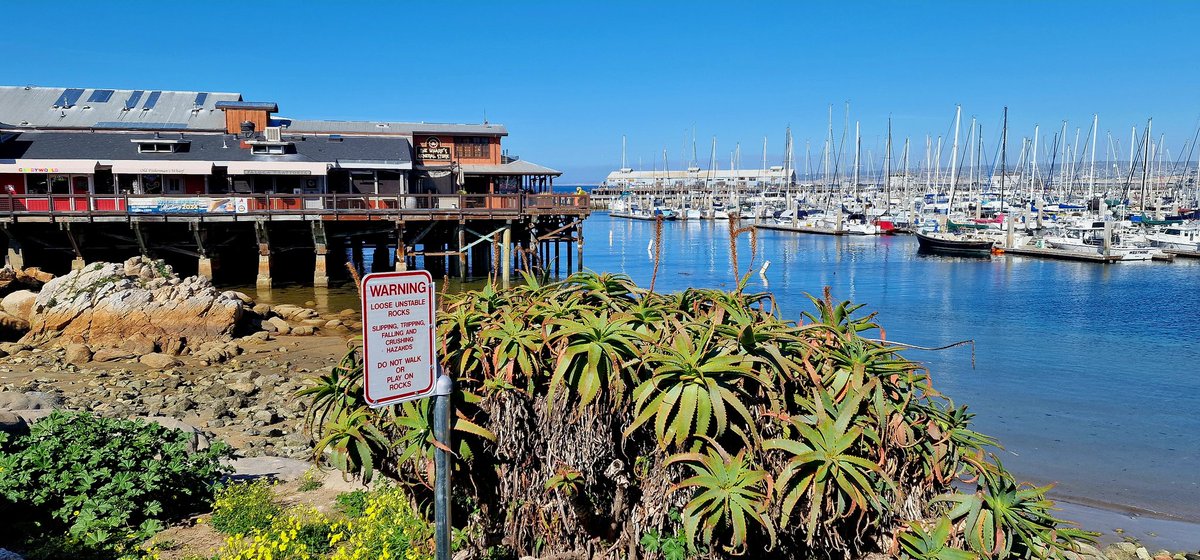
(385, 526)
(353, 503)
(241, 507)
(311, 481)
(104, 482)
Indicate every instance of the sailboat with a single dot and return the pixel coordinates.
(954, 240)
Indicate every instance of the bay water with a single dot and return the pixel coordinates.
(1087, 373)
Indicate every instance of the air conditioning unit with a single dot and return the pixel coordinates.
(273, 133)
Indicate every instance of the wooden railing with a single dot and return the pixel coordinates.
(333, 204)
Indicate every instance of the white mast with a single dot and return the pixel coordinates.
(1033, 173)
(1145, 164)
(828, 147)
(954, 161)
(905, 196)
(857, 149)
(1092, 173)
(887, 171)
(928, 163)
(765, 173)
(937, 166)
(1062, 168)
(971, 141)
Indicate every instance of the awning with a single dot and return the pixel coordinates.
(362, 164)
(518, 167)
(163, 167)
(277, 168)
(49, 166)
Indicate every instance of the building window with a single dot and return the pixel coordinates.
(173, 185)
(267, 150)
(60, 184)
(37, 183)
(152, 184)
(473, 147)
(153, 148)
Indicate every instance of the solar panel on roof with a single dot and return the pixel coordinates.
(69, 97)
(100, 96)
(200, 99)
(152, 100)
(133, 99)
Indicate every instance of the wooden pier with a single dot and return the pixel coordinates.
(1046, 252)
(268, 237)
(801, 229)
(1182, 253)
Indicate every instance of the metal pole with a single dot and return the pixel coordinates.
(441, 490)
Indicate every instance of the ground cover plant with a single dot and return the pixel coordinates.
(380, 523)
(594, 415)
(80, 485)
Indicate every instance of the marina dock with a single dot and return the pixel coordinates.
(801, 229)
(1061, 254)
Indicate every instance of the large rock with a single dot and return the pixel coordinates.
(157, 360)
(19, 304)
(110, 304)
(112, 355)
(12, 424)
(1121, 551)
(78, 354)
(32, 400)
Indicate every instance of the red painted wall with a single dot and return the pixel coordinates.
(17, 180)
(194, 184)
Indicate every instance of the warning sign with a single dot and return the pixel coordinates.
(398, 328)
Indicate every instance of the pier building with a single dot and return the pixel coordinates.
(229, 188)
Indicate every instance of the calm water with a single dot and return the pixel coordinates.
(1087, 373)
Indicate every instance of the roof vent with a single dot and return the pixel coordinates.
(247, 129)
(273, 134)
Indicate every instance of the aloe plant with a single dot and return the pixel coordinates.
(693, 386)
(594, 348)
(825, 466)
(920, 544)
(1005, 518)
(775, 438)
(729, 492)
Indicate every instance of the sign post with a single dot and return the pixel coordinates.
(400, 365)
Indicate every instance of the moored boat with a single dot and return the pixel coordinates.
(944, 243)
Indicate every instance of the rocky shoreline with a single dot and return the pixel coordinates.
(134, 340)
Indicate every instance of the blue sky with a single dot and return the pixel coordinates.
(569, 79)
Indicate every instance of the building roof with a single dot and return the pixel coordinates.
(388, 127)
(31, 107)
(55, 107)
(518, 167)
(260, 105)
(358, 152)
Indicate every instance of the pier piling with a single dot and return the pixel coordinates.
(506, 258)
(263, 280)
(204, 267)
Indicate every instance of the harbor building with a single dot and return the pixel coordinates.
(230, 188)
(692, 181)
